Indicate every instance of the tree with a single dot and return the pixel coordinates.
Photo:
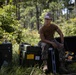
(1, 3)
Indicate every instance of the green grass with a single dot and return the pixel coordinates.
(15, 69)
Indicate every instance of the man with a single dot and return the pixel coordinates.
(47, 38)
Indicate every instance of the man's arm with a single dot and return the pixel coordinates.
(61, 35)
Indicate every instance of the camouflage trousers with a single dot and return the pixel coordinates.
(46, 46)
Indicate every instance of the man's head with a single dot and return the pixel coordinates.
(48, 18)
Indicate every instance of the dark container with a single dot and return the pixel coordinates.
(5, 53)
(70, 44)
(29, 55)
(54, 68)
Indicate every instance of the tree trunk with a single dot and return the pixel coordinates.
(58, 14)
(75, 6)
(53, 15)
(18, 12)
(17, 9)
(6, 2)
(67, 17)
(37, 16)
(15, 2)
(32, 25)
(1, 3)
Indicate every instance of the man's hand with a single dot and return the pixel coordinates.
(61, 45)
(53, 44)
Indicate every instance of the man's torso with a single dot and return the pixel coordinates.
(48, 31)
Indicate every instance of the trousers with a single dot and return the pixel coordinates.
(46, 46)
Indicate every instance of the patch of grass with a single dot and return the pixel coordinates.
(72, 67)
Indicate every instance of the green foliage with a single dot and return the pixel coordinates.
(6, 19)
(15, 70)
(30, 36)
(2, 0)
(9, 26)
(69, 27)
(28, 16)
